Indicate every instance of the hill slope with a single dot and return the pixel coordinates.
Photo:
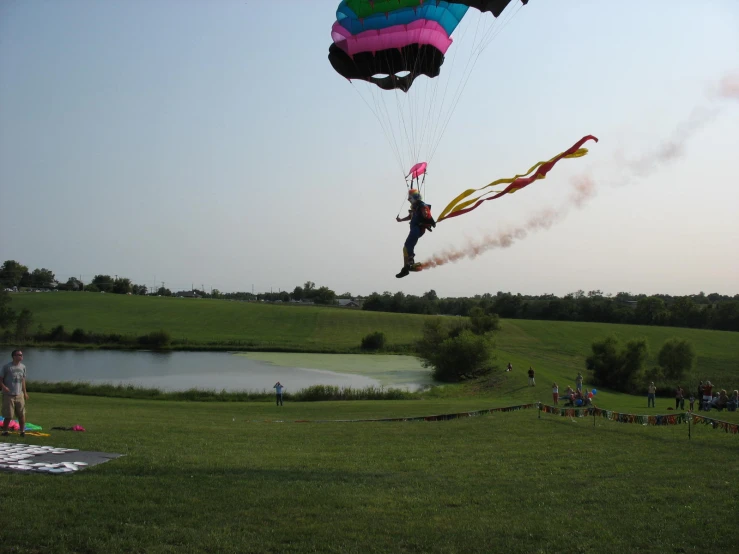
(556, 349)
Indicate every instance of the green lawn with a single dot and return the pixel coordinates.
(227, 477)
(203, 321)
(199, 477)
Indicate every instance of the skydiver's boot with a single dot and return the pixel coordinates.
(407, 264)
(403, 272)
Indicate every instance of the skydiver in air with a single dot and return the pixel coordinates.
(420, 219)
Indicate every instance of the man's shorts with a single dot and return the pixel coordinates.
(14, 406)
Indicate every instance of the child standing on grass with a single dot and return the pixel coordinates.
(555, 394)
(692, 401)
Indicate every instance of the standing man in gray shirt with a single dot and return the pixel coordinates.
(13, 382)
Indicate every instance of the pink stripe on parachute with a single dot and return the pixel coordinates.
(421, 31)
(418, 169)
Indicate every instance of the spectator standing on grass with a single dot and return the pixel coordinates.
(699, 396)
(278, 392)
(679, 398)
(578, 381)
(555, 394)
(651, 392)
(532, 381)
(707, 395)
(13, 381)
(692, 401)
(733, 402)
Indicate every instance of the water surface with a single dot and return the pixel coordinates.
(178, 371)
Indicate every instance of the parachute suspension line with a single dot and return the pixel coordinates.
(438, 118)
(431, 93)
(401, 120)
(415, 140)
(385, 126)
(495, 30)
(397, 147)
(492, 33)
(389, 136)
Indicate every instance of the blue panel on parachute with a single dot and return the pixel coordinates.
(446, 14)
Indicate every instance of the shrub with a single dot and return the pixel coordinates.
(374, 341)
(676, 357)
(156, 339)
(616, 367)
(79, 335)
(454, 352)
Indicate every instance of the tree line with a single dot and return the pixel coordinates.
(701, 311)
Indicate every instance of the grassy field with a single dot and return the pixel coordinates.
(245, 477)
(557, 350)
(203, 321)
(219, 478)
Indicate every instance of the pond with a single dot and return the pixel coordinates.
(229, 371)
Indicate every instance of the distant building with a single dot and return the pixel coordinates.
(348, 303)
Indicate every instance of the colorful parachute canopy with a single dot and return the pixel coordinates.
(15, 426)
(460, 206)
(445, 14)
(417, 170)
(377, 40)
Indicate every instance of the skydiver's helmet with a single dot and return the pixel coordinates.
(414, 197)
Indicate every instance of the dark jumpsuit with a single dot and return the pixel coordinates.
(418, 228)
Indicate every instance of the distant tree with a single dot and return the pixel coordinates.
(430, 295)
(397, 304)
(297, 294)
(11, 273)
(324, 295)
(161, 291)
(454, 352)
(725, 316)
(676, 357)
(482, 323)
(651, 311)
(25, 280)
(72, 284)
(122, 285)
(139, 290)
(616, 367)
(42, 278)
(23, 325)
(104, 283)
(7, 314)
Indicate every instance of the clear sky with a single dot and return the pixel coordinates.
(211, 142)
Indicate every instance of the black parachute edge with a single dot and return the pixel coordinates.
(495, 7)
(416, 59)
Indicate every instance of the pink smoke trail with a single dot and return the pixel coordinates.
(584, 186)
(583, 189)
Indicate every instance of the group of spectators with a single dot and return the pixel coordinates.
(576, 397)
(711, 398)
(706, 398)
